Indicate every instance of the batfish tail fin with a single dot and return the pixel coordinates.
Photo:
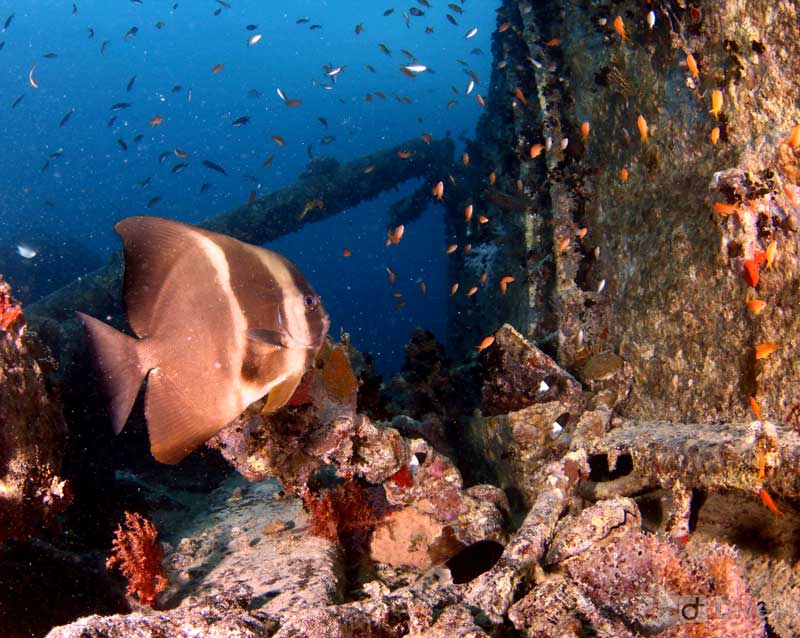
(118, 366)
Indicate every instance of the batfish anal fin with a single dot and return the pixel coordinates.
(175, 429)
(118, 366)
(281, 393)
(271, 337)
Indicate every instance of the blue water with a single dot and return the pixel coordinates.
(76, 198)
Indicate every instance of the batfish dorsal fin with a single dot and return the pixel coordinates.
(170, 256)
(152, 248)
(175, 429)
(281, 393)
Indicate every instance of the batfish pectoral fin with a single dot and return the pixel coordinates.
(282, 392)
(271, 337)
(175, 429)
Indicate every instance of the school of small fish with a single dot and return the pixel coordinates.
(136, 132)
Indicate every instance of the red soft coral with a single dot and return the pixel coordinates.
(138, 555)
(9, 311)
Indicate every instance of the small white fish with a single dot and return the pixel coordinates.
(26, 251)
(416, 68)
(31, 80)
(253, 39)
(471, 33)
(335, 71)
(651, 19)
(281, 94)
(470, 86)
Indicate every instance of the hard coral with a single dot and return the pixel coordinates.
(138, 555)
(340, 514)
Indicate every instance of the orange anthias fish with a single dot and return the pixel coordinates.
(763, 350)
(755, 306)
(692, 64)
(536, 150)
(716, 103)
(642, 124)
(438, 191)
(468, 213)
(750, 272)
(767, 500)
(725, 209)
(772, 250)
(520, 96)
(755, 408)
(487, 341)
(619, 27)
(404, 154)
(156, 120)
(794, 137)
(504, 284)
(395, 235)
(585, 131)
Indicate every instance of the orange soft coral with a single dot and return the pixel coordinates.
(337, 375)
(138, 555)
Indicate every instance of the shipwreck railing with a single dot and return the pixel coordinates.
(336, 187)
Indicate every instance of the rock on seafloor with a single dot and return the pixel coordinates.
(215, 616)
(32, 430)
(254, 535)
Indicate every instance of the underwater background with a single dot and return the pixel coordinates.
(81, 150)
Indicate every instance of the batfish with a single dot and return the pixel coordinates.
(220, 323)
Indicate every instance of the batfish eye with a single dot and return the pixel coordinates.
(310, 301)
